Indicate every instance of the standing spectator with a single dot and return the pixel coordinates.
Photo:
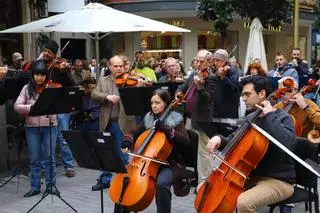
(141, 68)
(233, 63)
(256, 69)
(93, 67)
(300, 65)
(78, 73)
(16, 67)
(173, 73)
(282, 69)
(159, 72)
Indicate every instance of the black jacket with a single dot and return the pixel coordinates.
(226, 98)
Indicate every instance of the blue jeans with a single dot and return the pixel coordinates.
(65, 151)
(115, 130)
(38, 139)
(163, 193)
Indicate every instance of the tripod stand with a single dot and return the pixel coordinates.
(47, 104)
(95, 150)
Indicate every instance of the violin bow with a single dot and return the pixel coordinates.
(285, 149)
(64, 47)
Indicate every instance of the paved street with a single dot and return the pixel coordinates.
(77, 192)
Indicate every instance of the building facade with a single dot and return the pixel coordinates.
(182, 13)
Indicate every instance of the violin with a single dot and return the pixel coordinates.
(57, 63)
(48, 84)
(130, 79)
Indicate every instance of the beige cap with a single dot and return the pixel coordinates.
(16, 56)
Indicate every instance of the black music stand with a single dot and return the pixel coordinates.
(13, 86)
(136, 100)
(55, 101)
(95, 150)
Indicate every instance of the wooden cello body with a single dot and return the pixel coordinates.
(136, 189)
(220, 191)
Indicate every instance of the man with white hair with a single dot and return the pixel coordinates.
(173, 73)
(199, 105)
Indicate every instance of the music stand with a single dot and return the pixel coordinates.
(136, 100)
(55, 101)
(13, 86)
(95, 150)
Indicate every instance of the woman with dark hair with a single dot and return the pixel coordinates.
(172, 126)
(37, 129)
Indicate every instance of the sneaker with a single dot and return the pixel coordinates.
(70, 173)
(31, 193)
(98, 186)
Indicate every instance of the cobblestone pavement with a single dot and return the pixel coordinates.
(77, 192)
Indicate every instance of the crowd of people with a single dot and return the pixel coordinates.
(215, 93)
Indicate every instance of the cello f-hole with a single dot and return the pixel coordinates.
(142, 173)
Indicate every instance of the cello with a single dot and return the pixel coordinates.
(135, 190)
(288, 88)
(219, 193)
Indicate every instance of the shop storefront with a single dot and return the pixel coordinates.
(185, 45)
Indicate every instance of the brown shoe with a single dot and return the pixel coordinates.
(70, 173)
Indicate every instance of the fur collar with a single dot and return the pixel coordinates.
(172, 120)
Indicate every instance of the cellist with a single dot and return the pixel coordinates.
(303, 109)
(272, 180)
(173, 128)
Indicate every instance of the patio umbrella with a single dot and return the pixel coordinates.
(95, 18)
(255, 47)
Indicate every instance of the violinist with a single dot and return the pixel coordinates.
(227, 94)
(272, 180)
(112, 114)
(175, 132)
(173, 71)
(38, 130)
(59, 74)
(303, 109)
(198, 92)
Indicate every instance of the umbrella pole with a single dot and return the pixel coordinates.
(96, 40)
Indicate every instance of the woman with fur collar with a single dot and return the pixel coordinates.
(173, 128)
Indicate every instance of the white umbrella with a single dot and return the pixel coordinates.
(95, 18)
(255, 47)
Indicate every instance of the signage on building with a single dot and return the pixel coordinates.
(269, 27)
(175, 22)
